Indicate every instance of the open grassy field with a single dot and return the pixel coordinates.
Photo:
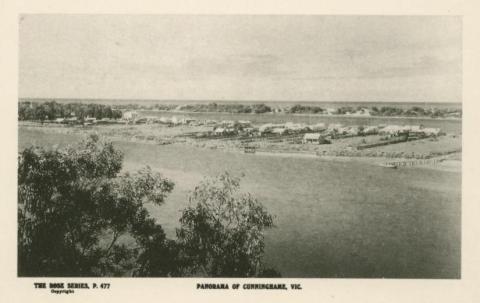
(333, 219)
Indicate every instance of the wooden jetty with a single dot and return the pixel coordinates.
(395, 164)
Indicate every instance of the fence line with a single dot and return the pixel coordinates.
(416, 162)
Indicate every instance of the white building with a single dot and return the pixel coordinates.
(279, 131)
(318, 127)
(266, 128)
(130, 115)
(431, 132)
(392, 130)
(370, 130)
(314, 138)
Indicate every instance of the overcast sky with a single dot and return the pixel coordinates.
(292, 58)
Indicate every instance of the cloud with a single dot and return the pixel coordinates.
(248, 57)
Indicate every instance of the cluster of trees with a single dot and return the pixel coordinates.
(302, 109)
(51, 110)
(143, 106)
(388, 111)
(346, 109)
(164, 106)
(416, 111)
(78, 215)
(35, 111)
(233, 108)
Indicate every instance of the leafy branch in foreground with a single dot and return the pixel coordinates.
(222, 231)
(78, 216)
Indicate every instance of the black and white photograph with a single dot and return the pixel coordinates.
(239, 146)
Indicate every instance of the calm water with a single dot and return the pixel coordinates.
(333, 219)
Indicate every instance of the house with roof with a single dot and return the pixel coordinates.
(228, 123)
(188, 120)
(295, 127)
(334, 127)
(266, 128)
(244, 123)
(129, 115)
(353, 130)
(221, 131)
(431, 132)
(393, 130)
(175, 120)
(370, 130)
(314, 138)
(279, 131)
(318, 127)
(72, 120)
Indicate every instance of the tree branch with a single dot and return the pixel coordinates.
(115, 237)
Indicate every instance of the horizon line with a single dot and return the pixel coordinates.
(231, 100)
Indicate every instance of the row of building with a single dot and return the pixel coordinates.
(84, 121)
(406, 132)
(410, 130)
(314, 131)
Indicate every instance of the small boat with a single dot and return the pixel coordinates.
(389, 165)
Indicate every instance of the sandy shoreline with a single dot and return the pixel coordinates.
(447, 164)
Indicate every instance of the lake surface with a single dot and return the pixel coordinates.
(333, 219)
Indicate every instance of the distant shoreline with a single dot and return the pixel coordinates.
(54, 109)
(222, 101)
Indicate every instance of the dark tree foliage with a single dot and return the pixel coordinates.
(78, 216)
(233, 108)
(302, 109)
(261, 108)
(222, 231)
(391, 111)
(37, 111)
(40, 111)
(344, 109)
